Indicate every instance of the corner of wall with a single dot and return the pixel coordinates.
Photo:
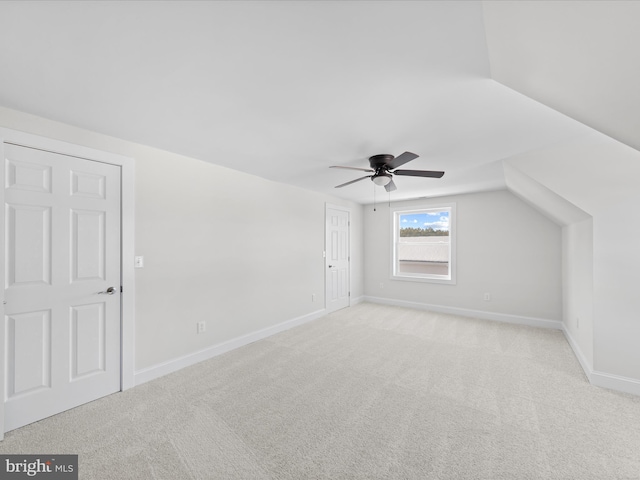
(547, 202)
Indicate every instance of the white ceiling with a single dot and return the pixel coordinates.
(283, 90)
(581, 58)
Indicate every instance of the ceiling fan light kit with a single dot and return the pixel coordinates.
(384, 166)
(382, 179)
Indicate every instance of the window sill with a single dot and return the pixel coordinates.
(444, 280)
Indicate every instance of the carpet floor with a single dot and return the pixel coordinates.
(368, 392)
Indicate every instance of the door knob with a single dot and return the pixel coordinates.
(108, 291)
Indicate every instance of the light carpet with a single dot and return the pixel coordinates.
(369, 392)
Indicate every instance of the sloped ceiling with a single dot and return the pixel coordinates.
(283, 90)
(578, 57)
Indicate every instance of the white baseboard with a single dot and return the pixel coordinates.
(586, 365)
(356, 300)
(602, 379)
(157, 371)
(615, 382)
(596, 378)
(464, 312)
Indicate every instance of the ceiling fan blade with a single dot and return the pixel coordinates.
(390, 187)
(353, 168)
(352, 181)
(419, 173)
(401, 160)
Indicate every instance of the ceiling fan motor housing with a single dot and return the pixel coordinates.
(379, 162)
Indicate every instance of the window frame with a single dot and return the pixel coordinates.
(396, 212)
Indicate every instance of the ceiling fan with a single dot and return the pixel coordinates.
(385, 166)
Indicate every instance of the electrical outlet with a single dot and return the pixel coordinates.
(381, 285)
(313, 297)
(487, 297)
(201, 327)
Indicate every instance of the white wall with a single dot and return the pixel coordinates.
(600, 178)
(577, 285)
(235, 250)
(504, 247)
(577, 257)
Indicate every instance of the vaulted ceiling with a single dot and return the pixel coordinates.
(283, 90)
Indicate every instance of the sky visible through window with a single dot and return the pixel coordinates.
(425, 220)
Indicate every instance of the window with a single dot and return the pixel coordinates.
(424, 244)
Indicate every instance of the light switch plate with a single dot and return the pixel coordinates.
(139, 262)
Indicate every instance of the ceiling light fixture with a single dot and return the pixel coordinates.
(381, 179)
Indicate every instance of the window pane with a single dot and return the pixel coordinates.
(423, 243)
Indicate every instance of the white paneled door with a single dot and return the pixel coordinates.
(62, 283)
(337, 259)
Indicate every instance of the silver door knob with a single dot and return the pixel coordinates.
(108, 291)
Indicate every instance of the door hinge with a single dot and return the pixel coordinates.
(121, 289)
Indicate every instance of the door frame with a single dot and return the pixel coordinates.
(342, 208)
(127, 313)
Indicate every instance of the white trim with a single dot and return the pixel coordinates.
(615, 382)
(357, 300)
(157, 371)
(577, 351)
(127, 166)
(498, 317)
(598, 379)
(601, 379)
(594, 377)
(128, 324)
(29, 140)
(442, 279)
(2, 289)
